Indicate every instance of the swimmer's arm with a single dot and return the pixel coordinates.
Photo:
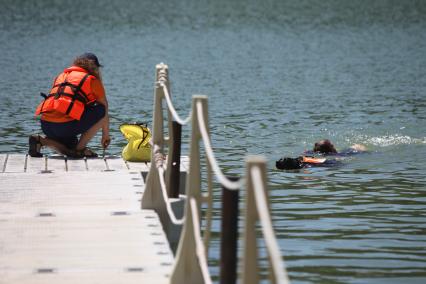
(358, 148)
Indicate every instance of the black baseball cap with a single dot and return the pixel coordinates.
(91, 56)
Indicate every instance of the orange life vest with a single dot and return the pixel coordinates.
(313, 160)
(70, 93)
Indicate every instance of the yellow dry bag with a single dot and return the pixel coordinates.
(138, 149)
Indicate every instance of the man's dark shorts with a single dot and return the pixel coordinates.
(66, 132)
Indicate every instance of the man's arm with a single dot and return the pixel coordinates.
(105, 141)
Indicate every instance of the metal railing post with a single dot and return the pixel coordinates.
(149, 198)
(258, 209)
(250, 273)
(173, 162)
(229, 235)
(158, 124)
(187, 268)
(163, 78)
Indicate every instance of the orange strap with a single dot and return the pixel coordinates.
(313, 160)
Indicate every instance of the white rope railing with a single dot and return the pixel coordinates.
(199, 246)
(272, 247)
(191, 265)
(172, 215)
(207, 198)
(234, 185)
(172, 109)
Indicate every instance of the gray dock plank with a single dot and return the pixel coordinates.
(21, 163)
(111, 276)
(116, 164)
(138, 166)
(56, 163)
(80, 226)
(35, 165)
(74, 165)
(15, 163)
(3, 158)
(96, 164)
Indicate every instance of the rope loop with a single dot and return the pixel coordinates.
(232, 185)
(262, 209)
(172, 108)
(170, 212)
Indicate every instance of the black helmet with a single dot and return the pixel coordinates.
(289, 163)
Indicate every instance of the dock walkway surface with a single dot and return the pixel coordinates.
(78, 221)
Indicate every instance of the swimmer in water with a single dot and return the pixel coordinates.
(305, 162)
(323, 148)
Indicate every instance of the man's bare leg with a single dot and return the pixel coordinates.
(55, 145)
(88, 135)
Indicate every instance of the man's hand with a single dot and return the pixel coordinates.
(105, 141)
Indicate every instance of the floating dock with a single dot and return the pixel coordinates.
(78, 221)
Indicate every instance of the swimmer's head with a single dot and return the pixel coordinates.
(289, 163)
(325, 146)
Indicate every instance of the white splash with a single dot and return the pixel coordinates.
(390, 140)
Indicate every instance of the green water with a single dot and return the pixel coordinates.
(279, 75)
